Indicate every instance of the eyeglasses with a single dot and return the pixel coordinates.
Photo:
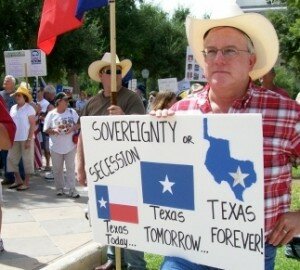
(108, 71)
(228, 53)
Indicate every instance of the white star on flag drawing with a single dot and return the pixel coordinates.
(239, 177)
(167, 185)
(102, 203)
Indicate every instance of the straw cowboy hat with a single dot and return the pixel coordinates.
(256, 26)
(96, 66)
(24, 91)
(26, 85)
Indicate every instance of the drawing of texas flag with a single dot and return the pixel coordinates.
(166, 184)
(117, 203)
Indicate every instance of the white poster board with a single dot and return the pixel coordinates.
(189, 186)
(193, 71)
(34, 59)
(169, 84)
(132, 84)
(184, 85)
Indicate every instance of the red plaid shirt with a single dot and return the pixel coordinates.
(281, 131)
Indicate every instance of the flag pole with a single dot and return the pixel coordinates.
(112, 13)
(26, 75)
(112, 16)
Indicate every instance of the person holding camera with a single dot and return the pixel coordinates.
(61, 124)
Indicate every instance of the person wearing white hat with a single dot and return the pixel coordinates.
(128, 102)
(233, 49)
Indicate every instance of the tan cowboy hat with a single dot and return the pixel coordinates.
(256, 26)
(96, 66)
(24, 91)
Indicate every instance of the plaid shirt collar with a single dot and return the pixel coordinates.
(240, 103)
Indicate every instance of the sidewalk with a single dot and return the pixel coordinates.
(39, 228)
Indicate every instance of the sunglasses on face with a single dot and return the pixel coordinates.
(108, 71)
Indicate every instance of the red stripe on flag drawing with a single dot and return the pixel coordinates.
(125, 213)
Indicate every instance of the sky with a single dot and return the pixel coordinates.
(197, 7)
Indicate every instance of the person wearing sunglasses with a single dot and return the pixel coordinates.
(128, 102)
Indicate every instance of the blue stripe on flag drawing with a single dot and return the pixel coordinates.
(170, 185)
(102, 200)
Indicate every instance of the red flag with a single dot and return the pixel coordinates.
(58, 17)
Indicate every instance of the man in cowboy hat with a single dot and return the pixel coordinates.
(235, 48)
(128, 102)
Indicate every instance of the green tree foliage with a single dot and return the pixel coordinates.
(287, 25)
(18, 25)
(145, 34)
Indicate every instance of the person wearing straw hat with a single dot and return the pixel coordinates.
(23, 115)
(128, 102)
(234, 48)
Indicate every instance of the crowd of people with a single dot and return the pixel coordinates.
(232, 55)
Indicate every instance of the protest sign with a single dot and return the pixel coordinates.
(193, 71)
(189, 186)
(169, 84)
(132, 84)
(32, 62)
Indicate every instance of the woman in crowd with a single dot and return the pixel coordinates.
(81, 101)
(164, 100)
(23, 115)
(60, 124)
(151, 99)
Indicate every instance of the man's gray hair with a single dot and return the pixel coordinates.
(50, 89)
(250, 45)
(10, 78)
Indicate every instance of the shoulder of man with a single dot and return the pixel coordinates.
(134, 104)
(73, 111)
(125, 92)
(285, 101)
(93, 100)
